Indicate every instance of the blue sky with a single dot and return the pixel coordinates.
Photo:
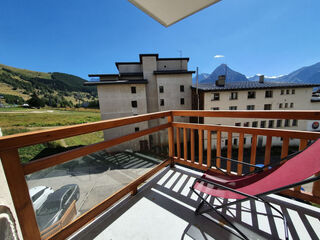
(79, 37)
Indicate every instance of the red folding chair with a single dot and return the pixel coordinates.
(297, 171)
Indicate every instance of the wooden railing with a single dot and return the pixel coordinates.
(179, 134)
(15, 171)
(205, 162)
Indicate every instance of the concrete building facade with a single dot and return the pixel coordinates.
(252, 96)
(153, 84)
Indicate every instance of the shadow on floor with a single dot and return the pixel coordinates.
(169, 193)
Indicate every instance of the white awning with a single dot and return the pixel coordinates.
(168, 12)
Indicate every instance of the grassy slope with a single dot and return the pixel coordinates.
(7, 89)
(47, 119)
(70, 81)
(23, 120)
(26, 72)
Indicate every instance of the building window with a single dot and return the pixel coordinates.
(136, 129)
(282, 91)
(268, 94)
(263, 124)
(286, 105)
(295, 122)
(234, 95)
(287, 123)
(181, 88)
(235, 141)
(280, 105)
(226, 142)
(214, 108)
(244, 140)
(133, 90)
(182, 101)
(255, 124)
(237, 124)
(233, 108)
(291, 105)
(287, 91)
(267, 107)
(251, 94)
(161, 102)
(271, 122)
(250, 107)
(134, 104)
(160, 89)
(279, 123)
(215, 97)
(293, 91)
(246, 124)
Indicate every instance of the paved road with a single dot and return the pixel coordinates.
(98, 176)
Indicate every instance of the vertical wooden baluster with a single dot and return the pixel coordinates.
(178, 143)
(267, 152)
(209, 149)
(285, 147)
(171, 140)
(240, 153)
(218, 154)
(192, 144)
(302, 145)
(185, 144)
(316, 187)
(253, 151)
(20, 194)
(200, 132)
(229, 153)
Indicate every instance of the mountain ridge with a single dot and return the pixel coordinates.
(52, 87)
(306, 74)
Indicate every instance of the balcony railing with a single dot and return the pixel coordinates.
(182, 145)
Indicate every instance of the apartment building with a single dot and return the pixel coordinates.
(150, 85)
(258, 95)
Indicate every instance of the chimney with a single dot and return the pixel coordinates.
(261, 79)
(221, 81)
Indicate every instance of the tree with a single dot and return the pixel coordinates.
(35, 101)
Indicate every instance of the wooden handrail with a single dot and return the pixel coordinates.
(36, 137)
(303, 114)
(248, 130)
(59, 158)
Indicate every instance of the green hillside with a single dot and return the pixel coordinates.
(54, 89)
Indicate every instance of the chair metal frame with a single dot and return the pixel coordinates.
(257, 197)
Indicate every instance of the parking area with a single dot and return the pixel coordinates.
(98, 175)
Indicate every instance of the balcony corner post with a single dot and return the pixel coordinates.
(20, 194)
(171, 140)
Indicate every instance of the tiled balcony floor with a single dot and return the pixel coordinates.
(164, 209)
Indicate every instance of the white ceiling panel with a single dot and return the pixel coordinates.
(168, 12)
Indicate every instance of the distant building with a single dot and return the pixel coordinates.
(153, 84)
(255, 95)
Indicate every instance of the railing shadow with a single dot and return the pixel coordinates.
(170, 190)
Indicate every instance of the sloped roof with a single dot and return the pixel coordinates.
(247, 85)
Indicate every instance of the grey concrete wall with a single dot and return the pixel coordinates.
(115, 102)
(163, 65)
(171, 85)
(124, 68)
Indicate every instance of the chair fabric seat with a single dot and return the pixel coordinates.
(297, 169)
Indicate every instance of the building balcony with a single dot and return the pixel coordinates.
(137, 195)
